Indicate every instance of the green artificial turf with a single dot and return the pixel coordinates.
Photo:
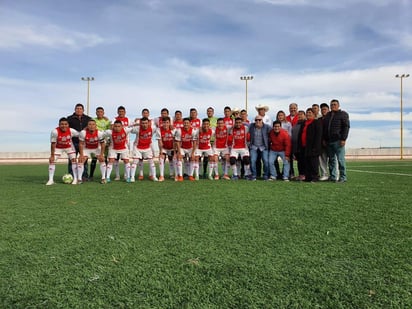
(207, 244)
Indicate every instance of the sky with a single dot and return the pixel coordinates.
(180, 54)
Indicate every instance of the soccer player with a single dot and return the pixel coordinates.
(203, 147)
(121, 116)
(163, 114)
(221, 149)
(89, 141)
(118, 148)
(165, 136)
(178, 121)
(103, 124)
(227, 119)
(186, 138)
(142, 149)
(194, 121)
(240, 138)
(61, 142)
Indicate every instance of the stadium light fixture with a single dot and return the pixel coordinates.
(246, 79)
(402, 76)
(88, 80)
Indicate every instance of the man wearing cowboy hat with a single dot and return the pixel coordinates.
(262, 110)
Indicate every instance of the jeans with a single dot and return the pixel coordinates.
(273, 155)
(337, 152)
(253, 158)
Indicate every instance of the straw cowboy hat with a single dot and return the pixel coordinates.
(260, 106)
(235, 110)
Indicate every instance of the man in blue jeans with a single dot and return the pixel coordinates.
(259, 144)
(335, 132)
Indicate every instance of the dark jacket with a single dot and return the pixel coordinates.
(313, 139)
(265, 134)
(78, 124)
(336, 126)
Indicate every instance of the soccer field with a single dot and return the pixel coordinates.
(207, 244)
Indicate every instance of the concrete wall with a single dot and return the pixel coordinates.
(355, 154)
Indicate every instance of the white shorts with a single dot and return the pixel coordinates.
(89, 152)
(71, 153)
(124, 154)
(235, 152)
(204, 152)
(168, 152)
(222, 152)
(142, 153)
(186, 152)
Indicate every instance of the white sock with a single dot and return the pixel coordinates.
(80, 170)
(109, 170)
(52, 169)
(103, 169)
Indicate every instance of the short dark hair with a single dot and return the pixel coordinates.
(99, 107)
(193, 110)
(79, 105)
(334, 100)
(206, 120)
(324, 105)
(186, 119)
(276, 122)
(121, 108)
(63, 119)
(164, 110)
(144, 119)
(118, 121)
(166, 119)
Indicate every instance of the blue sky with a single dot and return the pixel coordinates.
(181, 54)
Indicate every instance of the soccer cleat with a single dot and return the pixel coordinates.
(108, 180)
(273, 178)
(197, 177)
(117, 178)
(50, 182)
(161, 179)
(226, 177)
(74, 182)
(132, 179)
(103, 181)
(180, 178)
(217, 177)
(286, 179)
(155, 179)
(210, 177)
(235, 177)
(128, 180)
(141, 177)
(323, 178)
(172, 176)
(251, 178)
(191, 178)
(79, 182)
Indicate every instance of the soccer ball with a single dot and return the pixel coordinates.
(67, 178)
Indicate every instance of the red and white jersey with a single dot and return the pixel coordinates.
(143, 137)
(203, 139)
(178, 124)
(118, 140)
(196, 123)
(186, 137)
(167, 137)
(240, 137)
(228, 122)
(63, 139)
(221, 137)
(159, 122)
(91, 140)
(124, 120)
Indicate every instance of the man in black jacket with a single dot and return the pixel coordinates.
(335, 132)
(78, 121)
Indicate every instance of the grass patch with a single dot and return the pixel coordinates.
(207, 244)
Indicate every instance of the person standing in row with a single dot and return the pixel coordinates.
(78, 121)
(336, 129)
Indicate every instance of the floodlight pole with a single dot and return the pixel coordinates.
(88, 79)
(402, 76)
(246, 78)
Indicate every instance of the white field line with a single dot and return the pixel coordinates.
(383, 173)
(384, 165)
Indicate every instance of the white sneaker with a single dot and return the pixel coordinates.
(117, 178)
(132, 179)
(74, 182)
(155, 179)
(323, 178)
(49, 183)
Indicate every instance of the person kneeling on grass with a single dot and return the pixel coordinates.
(61, 142)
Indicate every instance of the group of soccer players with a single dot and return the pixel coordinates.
(183, 142)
